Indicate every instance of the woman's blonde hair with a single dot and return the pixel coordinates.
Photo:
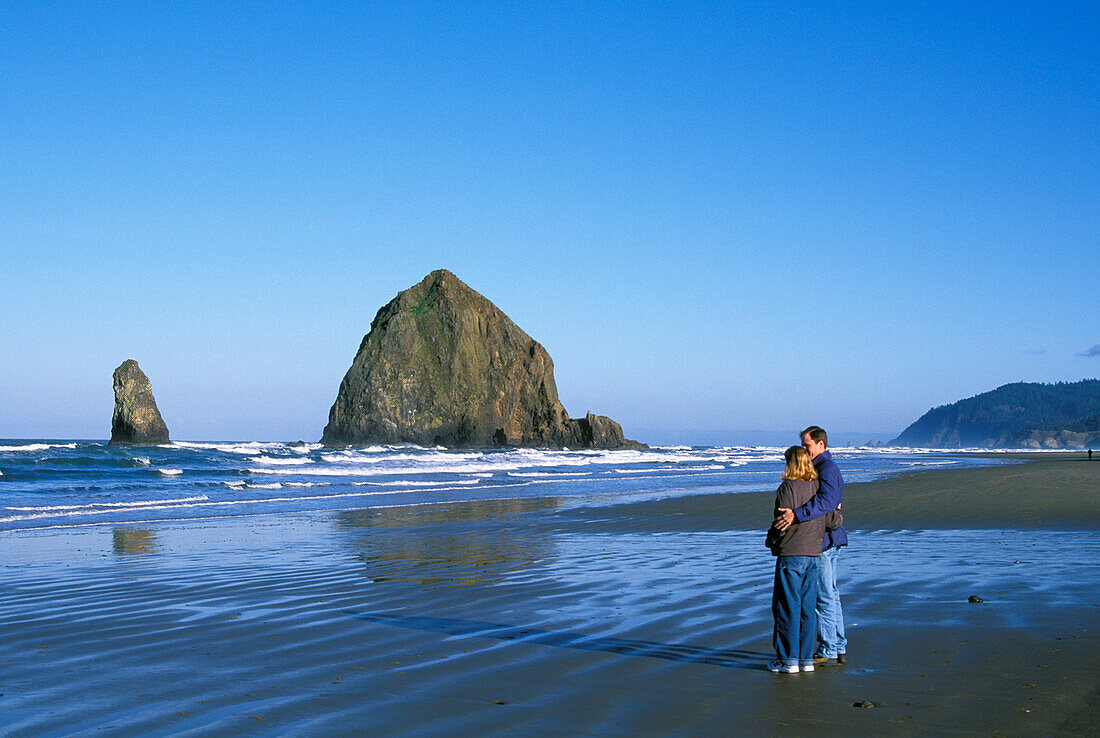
(799, 464)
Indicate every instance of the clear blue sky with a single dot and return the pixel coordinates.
(713, 217)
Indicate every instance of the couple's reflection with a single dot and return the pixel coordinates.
(134, 541)
(449, 543)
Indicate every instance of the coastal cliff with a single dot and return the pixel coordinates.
(136, 421)
(443, 366)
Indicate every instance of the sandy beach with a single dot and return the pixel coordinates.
(536, 617)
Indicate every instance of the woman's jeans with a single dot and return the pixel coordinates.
(830, 616)
(794, 599)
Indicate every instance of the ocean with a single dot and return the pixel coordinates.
(61, 483)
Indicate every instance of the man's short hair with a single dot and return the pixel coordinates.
(817, 435)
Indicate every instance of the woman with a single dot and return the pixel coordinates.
(798, 548)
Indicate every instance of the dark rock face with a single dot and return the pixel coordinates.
(136, 420)
(442, 365)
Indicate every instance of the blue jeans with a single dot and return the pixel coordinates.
(793, 599)
(830, 616)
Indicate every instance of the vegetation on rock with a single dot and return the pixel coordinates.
(1019, 415)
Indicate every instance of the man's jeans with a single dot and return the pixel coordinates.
(793, 599)
(830, 617)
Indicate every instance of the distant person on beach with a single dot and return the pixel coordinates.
(798, 549)
(830, 615)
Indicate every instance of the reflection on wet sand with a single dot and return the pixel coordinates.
(454, 544)
(129, 541)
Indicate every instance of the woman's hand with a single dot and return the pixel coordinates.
(784, 520)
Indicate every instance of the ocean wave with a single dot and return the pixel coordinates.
(36, 447)
(946, 462)
(142, 460)
(360, 472)
(170, 472)
(110, 505)
(251, 447)
(551, 474)
(80, 511)
(352, 457)
(280, 460)
(706, 467)
(413, 483)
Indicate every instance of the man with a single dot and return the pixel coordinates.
(830, 617)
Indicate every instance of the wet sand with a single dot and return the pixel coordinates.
(536, 619)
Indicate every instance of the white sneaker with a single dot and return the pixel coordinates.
(807, 667)
(778, 667)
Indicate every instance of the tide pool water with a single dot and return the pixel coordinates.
(51, 484)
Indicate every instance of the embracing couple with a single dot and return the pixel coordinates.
(806, 537)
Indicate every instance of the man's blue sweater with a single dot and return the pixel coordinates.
(826, 500)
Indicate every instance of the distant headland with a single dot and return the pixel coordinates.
(1019, 415)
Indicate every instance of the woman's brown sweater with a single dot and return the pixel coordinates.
(801, 539)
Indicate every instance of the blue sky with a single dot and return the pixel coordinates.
(714, 217)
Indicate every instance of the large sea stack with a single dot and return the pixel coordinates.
(443, 366)
(136, 420)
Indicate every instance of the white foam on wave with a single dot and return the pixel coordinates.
(279, 460)
(321, 471)
(110, 505)
(352, 457)
(353, 462)
(170, 472)
(241, 484)
(556, 474)
(704, 467)
(37, 447)
(252, 447)
(945, 462)
(206, 503)
(142, 460)
(413, 483)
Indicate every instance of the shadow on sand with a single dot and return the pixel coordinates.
(729, 658)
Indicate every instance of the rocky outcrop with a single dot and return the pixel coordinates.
(136, 420)
(443, 366)
(1051, 439)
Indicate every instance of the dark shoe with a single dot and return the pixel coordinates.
(842, 658)
(824, 661)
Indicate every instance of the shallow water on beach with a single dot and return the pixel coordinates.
(47, 484)
(494, 617)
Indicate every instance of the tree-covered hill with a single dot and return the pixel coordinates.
(1005, 416)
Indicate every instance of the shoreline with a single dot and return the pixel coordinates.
(1059, 493)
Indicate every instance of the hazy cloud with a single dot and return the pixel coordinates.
(1094, 351)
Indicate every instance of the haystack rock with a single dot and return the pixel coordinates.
(136, 420)
(443, 366)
